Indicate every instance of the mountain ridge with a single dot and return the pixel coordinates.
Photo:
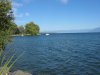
(75, 31)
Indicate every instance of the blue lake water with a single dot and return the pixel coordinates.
(58, 54)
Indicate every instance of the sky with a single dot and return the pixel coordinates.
(54, 15)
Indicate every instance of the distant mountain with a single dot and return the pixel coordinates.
(75, 31)
(96, 30)
(83, 30)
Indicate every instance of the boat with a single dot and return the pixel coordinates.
(47, 34)
(22, 35)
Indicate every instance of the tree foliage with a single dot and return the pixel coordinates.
(32, 28)
(6, 15)
(6, 21)
(21, 30)
(14, 29)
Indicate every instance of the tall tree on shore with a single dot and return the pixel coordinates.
(6, 21)
(6, 15)
(32, 28)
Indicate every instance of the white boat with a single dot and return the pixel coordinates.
(47, 34)
(22, 35)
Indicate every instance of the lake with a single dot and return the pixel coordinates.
(58, 54)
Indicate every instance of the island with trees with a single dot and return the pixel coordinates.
(29, 29)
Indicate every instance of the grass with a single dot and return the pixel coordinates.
(7, 62)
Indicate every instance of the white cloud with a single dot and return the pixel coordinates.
(21, 15)
(64, 1)
(18, 14)
(15, 4)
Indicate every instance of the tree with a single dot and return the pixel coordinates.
(32, 28)
(21, 29)
(6, 22)
(6, 15)
(14, 29)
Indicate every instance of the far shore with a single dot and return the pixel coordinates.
(21, 35)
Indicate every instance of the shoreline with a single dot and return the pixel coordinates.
(21, 35)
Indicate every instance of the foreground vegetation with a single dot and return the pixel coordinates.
(6, 24)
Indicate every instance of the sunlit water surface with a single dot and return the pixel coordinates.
(58, 54)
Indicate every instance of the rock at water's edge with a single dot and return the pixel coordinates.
(19, 72)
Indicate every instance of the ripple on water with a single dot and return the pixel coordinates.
(59, 54)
